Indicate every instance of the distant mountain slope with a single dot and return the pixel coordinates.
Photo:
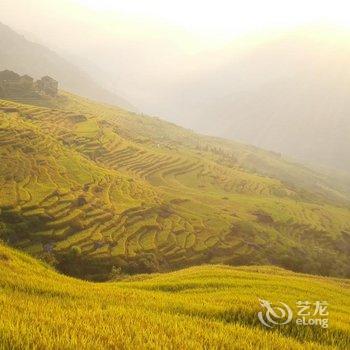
(290, 95)
(25, 57)
(204, 307)
(87, 186)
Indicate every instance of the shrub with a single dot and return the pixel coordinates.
(75, 251)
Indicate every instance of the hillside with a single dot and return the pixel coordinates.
(25, 57)
(195, 308)
(281, 94)
(88, 187)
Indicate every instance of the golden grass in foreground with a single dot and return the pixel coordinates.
(200, 307)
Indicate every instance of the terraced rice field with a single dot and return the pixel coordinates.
(104, 187)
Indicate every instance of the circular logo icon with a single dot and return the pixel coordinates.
(274, 315)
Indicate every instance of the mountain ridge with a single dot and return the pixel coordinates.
(281, 94)
(26, 57)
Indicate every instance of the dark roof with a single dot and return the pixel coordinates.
(9, 75)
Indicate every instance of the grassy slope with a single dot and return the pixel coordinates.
(146, 195)
(199, 307)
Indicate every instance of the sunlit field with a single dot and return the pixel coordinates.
(199, 307)
(88, 187)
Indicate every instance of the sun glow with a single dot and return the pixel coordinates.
(224, 19)
(189, 25)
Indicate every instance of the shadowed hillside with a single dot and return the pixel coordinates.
(90, 187)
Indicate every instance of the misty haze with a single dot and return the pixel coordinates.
(279, 90)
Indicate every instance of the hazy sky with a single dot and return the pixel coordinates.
(238, 69)
(191, 24)
(141, 47)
